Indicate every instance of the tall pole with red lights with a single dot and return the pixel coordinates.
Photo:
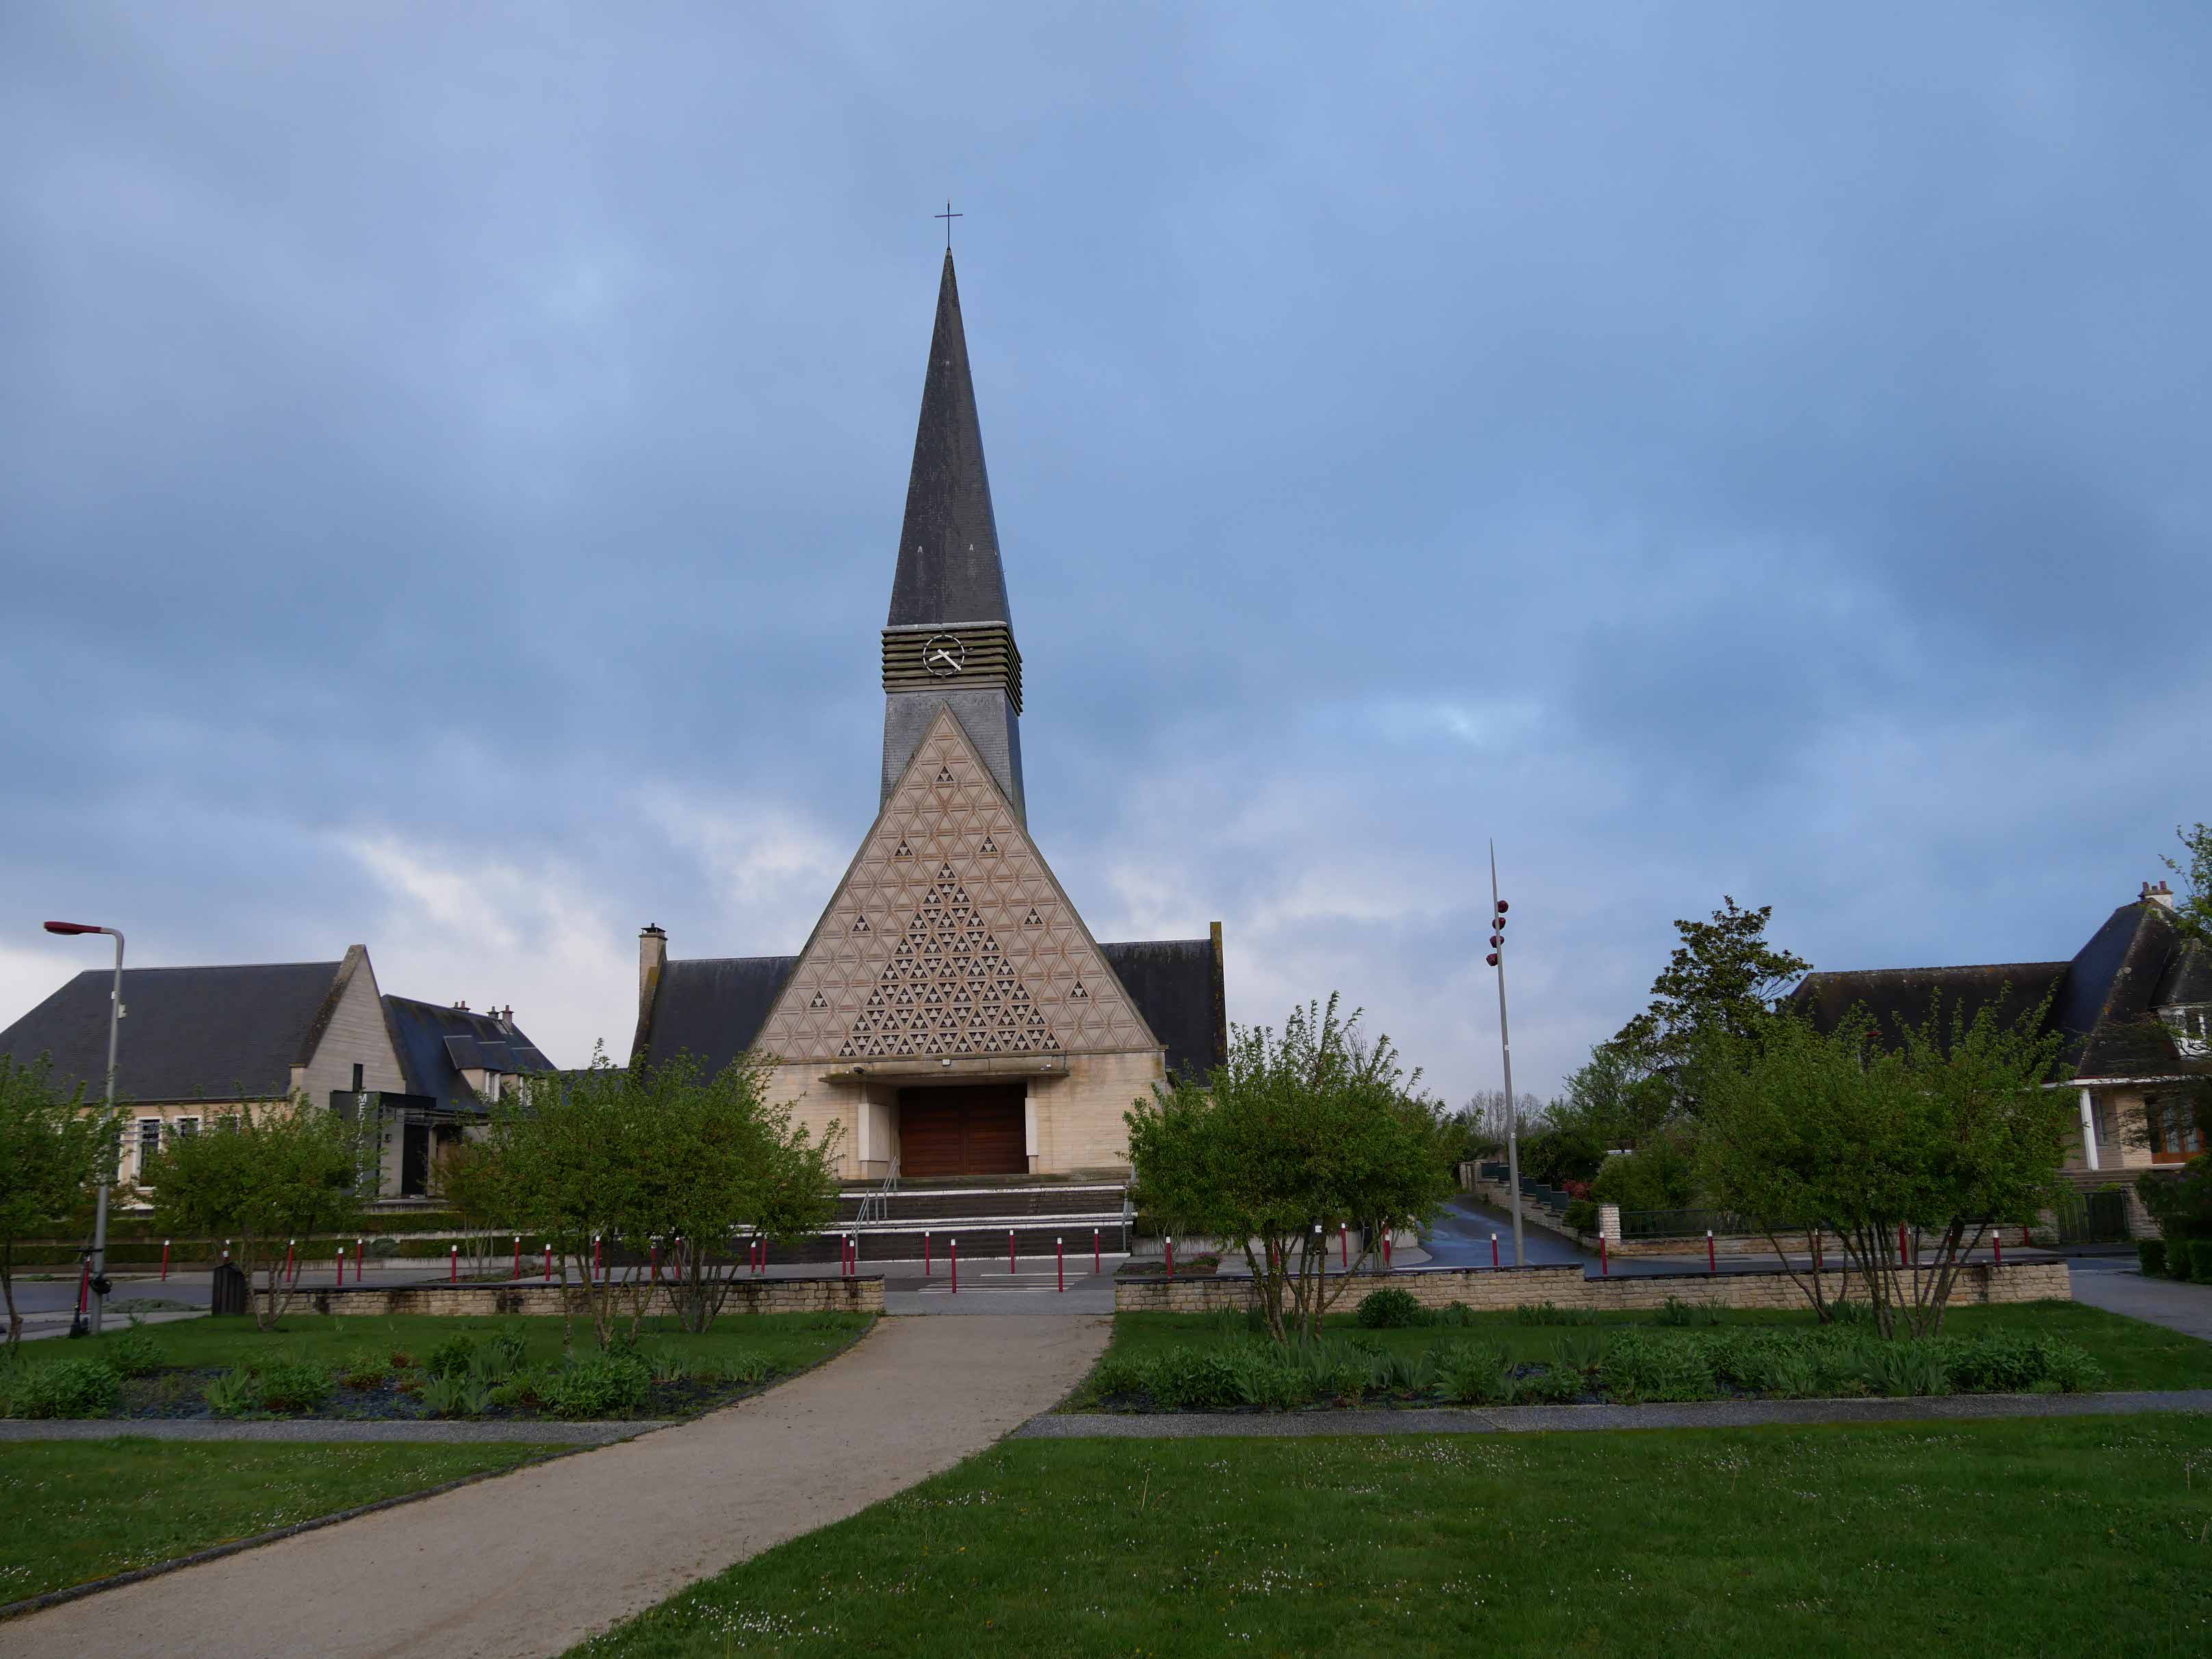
(1497, 959)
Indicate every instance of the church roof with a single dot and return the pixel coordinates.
(1176, 984)
(437, 1044)
(948, 561)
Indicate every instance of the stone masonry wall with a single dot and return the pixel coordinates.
(1565, 1286)
(750, 1296)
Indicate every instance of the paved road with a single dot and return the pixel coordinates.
(2116, 1285)
(532, 1563)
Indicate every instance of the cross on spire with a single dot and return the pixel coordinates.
(948, 215)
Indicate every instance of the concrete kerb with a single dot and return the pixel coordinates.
(1556, 1419)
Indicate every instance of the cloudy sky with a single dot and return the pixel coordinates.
(450, 461)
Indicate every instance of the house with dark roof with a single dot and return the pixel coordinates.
(951, 1015)
(198, 1043)
(2133, 1004)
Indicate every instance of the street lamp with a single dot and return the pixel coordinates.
(114, 1033)
(1497, 959)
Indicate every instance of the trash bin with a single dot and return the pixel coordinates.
(232, 1292)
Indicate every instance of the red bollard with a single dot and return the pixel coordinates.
(1900, 1244)
(1169, 1243)
(953, 1255)
(926, 1268)
(1060, 1245)
(1009, 1253)
(595, 1255)
(83, 1287)
(1493, 1249)
(359, 1258)
(654, 1264)
(517, 1255)
(165, 1262)
(1997, 1241)
(1386, 1247)
(1095, 1257)
(1344, 1247)
(453, 1263)
(291, 1269)
(1816, 1252)
(1712, 1263)
(1604, 1261)
(2025, 1241)
(341, 1264)
(549, 1264)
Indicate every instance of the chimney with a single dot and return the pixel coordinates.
(2159, 894)
(651, 958)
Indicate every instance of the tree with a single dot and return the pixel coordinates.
(2192, 910)
(280, 1170)
(670, 1165)
(1293, 1137)
(52, 1148)
(1941, 1133)
(1723, 977)
(1614, 1101)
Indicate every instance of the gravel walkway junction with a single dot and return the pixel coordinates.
(536, 1561)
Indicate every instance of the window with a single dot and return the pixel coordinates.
(149, 1141)
(356, 1077)
(188, 1126)
(2175, 1136)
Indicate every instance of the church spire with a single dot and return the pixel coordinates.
(948, 561)
(949, 642)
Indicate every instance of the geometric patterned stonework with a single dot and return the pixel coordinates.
(950, 937)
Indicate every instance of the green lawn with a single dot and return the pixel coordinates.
(2135, 1354)
(1984, 1538)
(74, 1511)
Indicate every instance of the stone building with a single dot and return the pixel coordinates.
(2134, 1007)
(951, 1010)
(198, 1043)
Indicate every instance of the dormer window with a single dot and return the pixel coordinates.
(2192, 1029)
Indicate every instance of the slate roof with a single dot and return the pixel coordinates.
(712, 1007)
(437, 1044)
(1177, 986)
(948, 558)
(220, 1033)
(2104, 1001)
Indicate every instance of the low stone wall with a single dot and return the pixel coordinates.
(1565, 1286)
(828, 1294)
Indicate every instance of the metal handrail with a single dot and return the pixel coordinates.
(877, 1206)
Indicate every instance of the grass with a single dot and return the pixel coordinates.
(1984, 1538)
(75, 1511)
(787, 1342)
(2133, 1353)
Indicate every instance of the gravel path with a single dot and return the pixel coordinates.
(536, 1561)
(325, 1430)
(1552, 1419)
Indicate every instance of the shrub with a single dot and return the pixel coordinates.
(1900, 1369)
(452, 1356)
(1478, 1374)
(600, 1386)
(2150, 1256)
(494, 1362)
(442, 1392)
(1555, 1385)
(1547, 1312)
(1641, 1366)
(233, 1393)
(666, 1366)
(1390, 1309)
(1581, 1216)
(361, 1369)
(132, 1352)
(1406, 1374)
(69, 1388)
(745, 1367)
(401, 1360)
(2200, 1260)
(1676, 1312)
(294, 1385)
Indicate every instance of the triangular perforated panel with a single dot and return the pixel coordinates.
(950, 937)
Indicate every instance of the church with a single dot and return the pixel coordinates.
(951, 1011)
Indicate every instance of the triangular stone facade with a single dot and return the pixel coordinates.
(950, 937)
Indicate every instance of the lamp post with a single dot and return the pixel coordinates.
(114, 1033)
(1497, 959)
